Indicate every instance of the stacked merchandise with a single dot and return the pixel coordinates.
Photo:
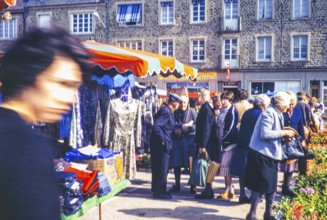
(104, 188)
(90, 180)
(70, 193)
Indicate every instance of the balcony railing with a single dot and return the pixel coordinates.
(231, 24)
(233, 63)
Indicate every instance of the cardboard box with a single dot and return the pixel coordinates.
(111, 167)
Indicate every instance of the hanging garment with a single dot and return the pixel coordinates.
(122, 131)
(98, 127)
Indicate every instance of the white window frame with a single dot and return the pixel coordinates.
(161, 41)
(259, 15)
(301, 16)
(161, 13)
(90, 26)
(198, 39)
(141, 14)
(39, 14)
(130, 44)
(5, 34)
(292, 46)
(265, 45)
(192, 6)
(233, 63)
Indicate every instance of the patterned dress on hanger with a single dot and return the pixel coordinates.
(122, 131)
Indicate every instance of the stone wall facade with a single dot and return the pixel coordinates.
(281, 27)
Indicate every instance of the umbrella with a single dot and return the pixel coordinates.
(140, 63)
(7, 3)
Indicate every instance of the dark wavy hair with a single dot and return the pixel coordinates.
(30, 55)
(227, 94)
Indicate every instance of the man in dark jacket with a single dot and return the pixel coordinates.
(161, 145)
(206, 136)
(40, 74)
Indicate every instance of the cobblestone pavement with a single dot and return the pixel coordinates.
(136, 202)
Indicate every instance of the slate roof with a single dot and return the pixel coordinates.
(39, 3)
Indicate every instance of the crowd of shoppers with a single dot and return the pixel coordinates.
(243, 137)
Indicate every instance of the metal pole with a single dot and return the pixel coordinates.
(107, 21)
(281, 32)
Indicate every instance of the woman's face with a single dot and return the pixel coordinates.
(292, 104)
(183, 105)
(283, 108)
(200, 98)
(54, 90)
(217, 104)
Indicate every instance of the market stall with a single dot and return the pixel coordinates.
(108, 116)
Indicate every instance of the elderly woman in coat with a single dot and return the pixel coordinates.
(265, 152)
(206, 136)
(183, 141)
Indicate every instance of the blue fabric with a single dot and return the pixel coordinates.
(230, 134)
(75, 155)
(249, 119)
(105, 80)
(104, 188)
(65, 124)
(119, 80)
(125, 95)
(295, 121)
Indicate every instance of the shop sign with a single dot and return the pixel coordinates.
(201, 76)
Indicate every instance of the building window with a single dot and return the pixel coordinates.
(198, 11)
(44, 20)
(264, 45)
(135, 45)
(262, 87)
(167, 48)
(167, 12)
(231, 9)
(301, 8)
(82, 23)
(198, 50)
(264, 9)
(300, 47)
(129, 14)
(8, 29)
(271, 87)
(230, 49)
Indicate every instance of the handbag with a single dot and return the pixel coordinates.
(199, 171)
(292, 148)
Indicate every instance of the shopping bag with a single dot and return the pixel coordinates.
(199, 171)
(213, 168)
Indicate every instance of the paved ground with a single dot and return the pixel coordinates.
(136, 203)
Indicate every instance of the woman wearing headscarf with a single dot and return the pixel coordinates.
(250, 117)
(265, 153)
(183, 141)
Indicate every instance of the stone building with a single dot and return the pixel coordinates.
(265, 45)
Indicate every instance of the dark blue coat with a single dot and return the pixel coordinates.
(249, 119)
(161, 145)
(162, 129)
(295, 121)
(239, 160)
(230, 133)
(206, 132)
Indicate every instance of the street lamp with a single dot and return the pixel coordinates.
(107, 21)
(104, 24)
